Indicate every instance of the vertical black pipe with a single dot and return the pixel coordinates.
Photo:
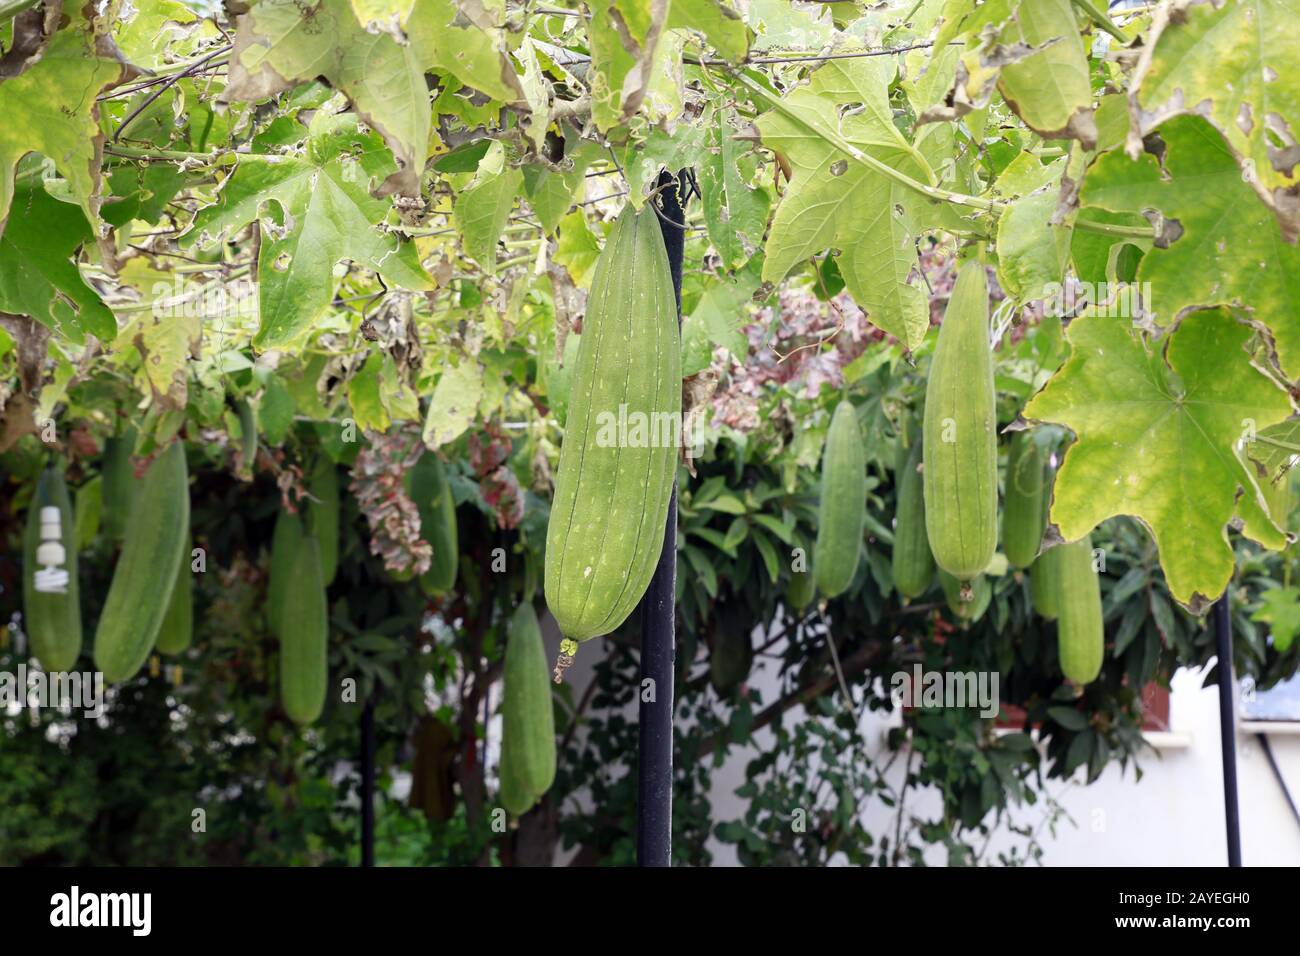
(368, 782)
(654, 785)
(1227, 727)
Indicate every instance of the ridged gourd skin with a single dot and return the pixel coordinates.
(323, 516)
(304, 637)
(117, 482)
(431, 493)
(611, 495)
(1081, 634)
(247, 439)
(960, 437)
(1044, 577)
(911, 562)
(285, 541)
(528, 716)
(52, 621)
(156, 531)
(841, 511)
(979, 592)
(1024, 506)
(178, 623)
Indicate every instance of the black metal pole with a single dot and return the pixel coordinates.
(654, 785)
(1227, 727)
(368, 782)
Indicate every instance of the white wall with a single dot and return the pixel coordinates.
(1172, 816)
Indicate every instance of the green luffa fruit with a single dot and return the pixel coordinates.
(842, 508)
(178, 624)
(528, 721)
(157, 528)
(285, 541)
(322, 517)
(960, 436)
(967, 599)
(911, 561)
(1044, 577)
(117, 482)
(1024, 505)
(304, 637)
(1080, 631)
(619, 456)
(51, 606)
(431, 493)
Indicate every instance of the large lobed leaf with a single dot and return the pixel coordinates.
(1158, 436)
(327, 214)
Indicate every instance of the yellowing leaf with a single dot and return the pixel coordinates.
(50, 109)
(1158, 435)
(454, 403)
(1233, 62)
(324, 214)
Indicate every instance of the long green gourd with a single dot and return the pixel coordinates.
(431, 493)
(842, 508)
(911, 561)
(285, 541)
(156, 531)
(117, 482)
(1024, 506)
(1079, 627)
(528, 721)
(323, 515)
(304, 637)
(960, 437)
(620, 451)
(178, 624)
(51, 598)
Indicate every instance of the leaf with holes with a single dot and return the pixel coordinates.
(320, 213)
(1221, 246)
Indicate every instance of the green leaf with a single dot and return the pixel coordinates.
(282, 42)
(768, 554)
(363, 395)
(1068, 717)
(483, 207)
(721, 315)
(735, 212)
(1280, 610)
(1225, 248)
(1031, 251)
(625, 35)
(728, 504)
(50, 109)
(578, 248)
(327, 215)
(716, 21)
(387, 15)
(454, 403)
(834, 201)
(38, 272)
(737, 533)
(1233, 63)
(165, 340)
(1157, 433)
(275, 411)
(1049, 90)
